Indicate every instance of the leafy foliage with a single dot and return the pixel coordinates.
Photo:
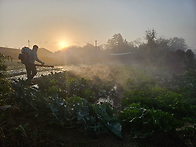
(163, 105)
(160, 98)
(77, 111)
(63, 101)
(4, 83)
(145, 122)
(66, 84)
(184, 85)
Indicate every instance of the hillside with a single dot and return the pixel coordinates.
(47, 56)
(10, 52)
(45, 53)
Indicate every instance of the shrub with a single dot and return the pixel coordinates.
(5, 86)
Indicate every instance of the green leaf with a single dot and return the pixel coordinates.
(116, 128)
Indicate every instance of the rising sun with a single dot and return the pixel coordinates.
(63, 44)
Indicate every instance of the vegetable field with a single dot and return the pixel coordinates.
(99, 105)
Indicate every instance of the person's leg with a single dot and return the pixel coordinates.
(28, 69)
(34, 70)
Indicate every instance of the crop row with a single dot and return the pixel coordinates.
(150, 108)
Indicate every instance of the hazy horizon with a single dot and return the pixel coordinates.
(52, 23)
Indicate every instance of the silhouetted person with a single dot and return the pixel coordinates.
(30, 65)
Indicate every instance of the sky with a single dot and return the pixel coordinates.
(55, 24)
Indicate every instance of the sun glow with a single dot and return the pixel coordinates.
(63, 44)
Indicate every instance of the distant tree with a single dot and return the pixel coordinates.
(88, 48)
(118, 44)
(177, 43)
(162, 43)
(88, 52)
(189, 54)
(136, 43)
(150, 37)
(189, 60)
(160, 46)
(180, 53)
(115, 42)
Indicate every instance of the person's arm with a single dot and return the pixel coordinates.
(36, 58)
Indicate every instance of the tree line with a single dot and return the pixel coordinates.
(153, 49)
